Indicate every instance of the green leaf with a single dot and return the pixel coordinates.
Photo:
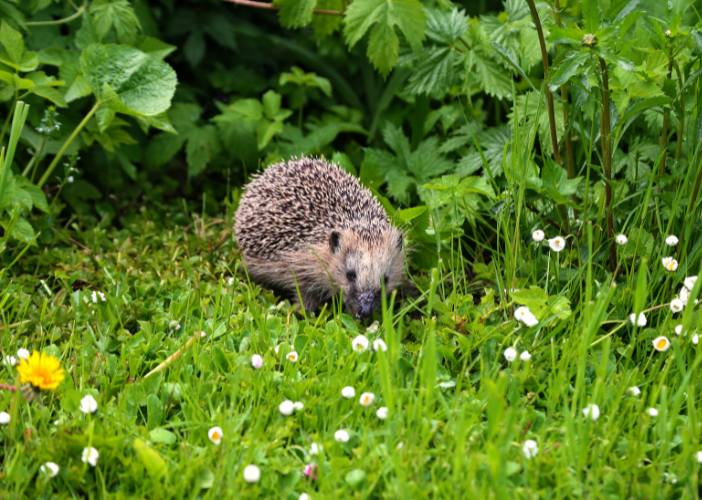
(556, 183)
(203, 144)
(160, 121)
(51, 94)
(512, 62)
(136, 83)
(162, 436)
(640, 244)
(620, 9)
(79, 88)
(492, 77)
(154, 46)
(22, 230)
(271, 103)
(477, 185)
(652, 102)
(12, 41)
(591, 15)
(162, 148)
(154, 464)
(408, 214)
(566, 36)
(568, 68)
(37, 195)
(435, 72)
(384, 15)
(445, 26)
(118, 14)
(155, 411)
(295, 13)
(324, 25)
(535, 297)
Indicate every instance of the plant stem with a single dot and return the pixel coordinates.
(664, 134)
(270, 6)
(549, 95)
(607, 160)
(696, 189)
(7, 120)
(681, 124)
(61, 21)
(68, 142)
(564, 98)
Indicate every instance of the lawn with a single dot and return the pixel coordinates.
(465, 400)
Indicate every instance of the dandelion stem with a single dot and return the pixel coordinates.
(170, 359)
(8, 387)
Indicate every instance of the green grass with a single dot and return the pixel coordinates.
(458, 412)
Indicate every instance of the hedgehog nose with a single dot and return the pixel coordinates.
(367, 299)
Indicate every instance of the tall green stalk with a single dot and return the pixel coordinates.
(605, 134)
(18, 119)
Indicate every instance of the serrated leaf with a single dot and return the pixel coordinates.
(407, 15)
(644, 105)
(445, 26)
(154, 464)
(162, 148)
(640, 244)
(143, 84)
(203, 144)
(118, 14)
(295, 13)
(160, 121)
(493, 79)
(512, 62)
(435, 72)
(12, 41)
(556, 184)
(324, 25)
(38, 197)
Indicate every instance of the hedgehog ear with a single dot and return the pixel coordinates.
(335, 241)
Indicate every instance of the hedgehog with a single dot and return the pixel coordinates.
(307, 225)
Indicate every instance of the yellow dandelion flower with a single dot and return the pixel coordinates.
(41, 370)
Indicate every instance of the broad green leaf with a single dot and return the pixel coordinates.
(266, 131)
(250, 109)
(22, 230)
(79, 88)
(435, 71)
(12, 41)
(643, 105)
(104, 117)
(295, 13)
(50, 94)
(568, 36)
(383, 16)
(591, 15)
(154, 46)
(534, 297)
(118, 14)
(160, 121)
(162, 148)
(619, 9)
(155, 411)
(271, 103)
(154, 464)
(445, 26)
(203, 144)
(556, 183)
(408, 214)
(162, 436)
(640, 244)
(37, 195)
(137, 83)
(477, 185)
(15, 81)
(568, 68)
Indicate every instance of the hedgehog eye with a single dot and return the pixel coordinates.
(385, 279)
(351, 275)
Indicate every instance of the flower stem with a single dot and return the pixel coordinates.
(61, 21)
(68, 142)
(607, 160)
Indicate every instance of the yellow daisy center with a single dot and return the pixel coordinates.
(215, 435)
(662, 343)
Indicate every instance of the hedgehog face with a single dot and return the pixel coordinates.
(360, 267)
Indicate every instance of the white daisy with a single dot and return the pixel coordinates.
(670, 263)
(90, 456)
(286, 407)
(298, 406)
(530, 449)
(557, 244)
(661, 343)
(23, 353)
(676, 305)
(634, 391)
(382, 413)
(525, 356)
(366, 399)
(592, 411)
(292, 356)
(538, 235)
(360, 343)
(678, 330)
(373, 328)
(348, 392)
(510, 354)
(690, 282)
(641, 321)
(256, 361)
(341, 436)
(4, 418)
(671, 240)
(50, 469)
(88, 404)
(622, 239)
(215, 434)
(653, 412)
(252, 474)
(379, 345)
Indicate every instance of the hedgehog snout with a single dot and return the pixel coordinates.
(366, 301)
